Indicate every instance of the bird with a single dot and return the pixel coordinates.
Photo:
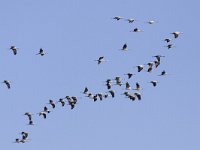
(132, 97)
(158, 57)
(157, 63)
(62, 101)
(85, 90)
(108, 83)
(112, 92)
(138, 95)
(163, 73)
(68, 98)
(176, 34)
(41, 52)
(126, 93)
(130, 20)
(152, 22)
(31, 122)
(43, 114)
(7, 83)
(52, 103)
(140, 67)
(24, 135)
(18, 140)
(105, 95)
(100, 95)
(167, 40)
(29, 115)
(136, 30)
(125, 47)
(170, 46)
(90, 95)
(128, 86)
(154, 82)
(14, 49)
(74, 98)
(71, 103)
(129, 75)
(95, 98)
(100, 60)
(118, 80)
(46, 110)
(150, 64)
(138, 87)
(118, 18)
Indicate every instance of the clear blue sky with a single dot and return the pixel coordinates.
(75, 33)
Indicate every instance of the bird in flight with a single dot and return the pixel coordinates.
(176, 34)
(130, 20)
(118, 18)
(7, 83)
(129, 75)
(124, 47)
(14, 49)
(41, 52)
(100, 60)
(154, 82)
(136, 30)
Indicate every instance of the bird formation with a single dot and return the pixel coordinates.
(125, 84)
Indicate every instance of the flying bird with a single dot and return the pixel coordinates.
(118, 80)
(75, 99)
(95, 98)
(140, 67)
(154, 82)
(14, 49)
(176, 34)
(108, 83)
(152, 22)
(29, 115)
(41, 52)
(125, 47)
(42, 113)
(100, 60)
(52, 103)
(71, 103)
(170, 46)
(118, 18)
(158, 57)
(85, 90)
(138, 87)
(136, 30)
(128, 86)
(138, 95)
(157, 63)
(129, 75)
(167, 40)
(130, 20)
(31, 122)
(100, 95)
(150, 64)
(163, 73)
(24, 135)
(7, 83)
(62, 101)
(46, 110)
(112, 92)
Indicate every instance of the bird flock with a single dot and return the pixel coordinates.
(125, 85)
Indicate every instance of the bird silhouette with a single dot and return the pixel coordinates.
(14, 49)
(7, 83)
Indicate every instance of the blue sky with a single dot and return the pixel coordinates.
(74, 34)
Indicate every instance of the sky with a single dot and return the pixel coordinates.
(74, 34)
